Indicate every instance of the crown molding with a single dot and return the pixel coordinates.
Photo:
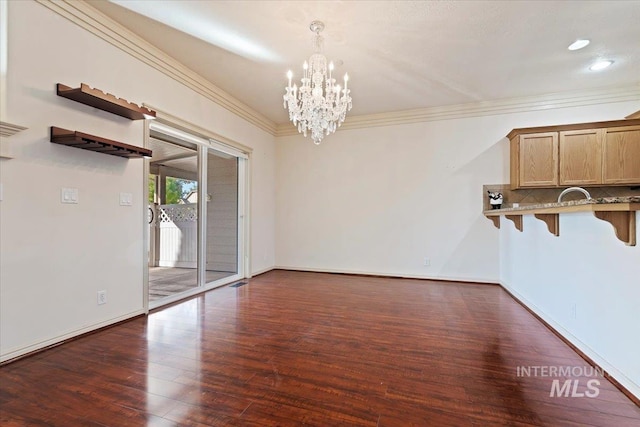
(95, 22)
(485, 108)
(92, 20)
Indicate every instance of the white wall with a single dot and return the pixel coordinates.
(380, 200)
(55, 257)
(3, 59)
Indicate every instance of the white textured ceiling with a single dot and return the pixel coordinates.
(399, 54)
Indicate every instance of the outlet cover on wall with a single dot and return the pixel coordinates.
(427, 262)
(69, 195)
(102, 297)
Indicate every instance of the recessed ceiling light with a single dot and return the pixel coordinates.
(600, 65)
(578, 44)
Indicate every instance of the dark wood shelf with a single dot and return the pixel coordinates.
(105, 101)
(85, 141)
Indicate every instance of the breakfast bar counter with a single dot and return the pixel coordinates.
(620, 212)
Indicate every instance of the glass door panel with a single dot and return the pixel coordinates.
(221, 231)
(173, 212)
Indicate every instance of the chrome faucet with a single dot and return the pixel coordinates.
(572, 189)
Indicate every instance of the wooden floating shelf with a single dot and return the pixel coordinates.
(105, 101)
(622, 216)
(95, 143)
(7, 130)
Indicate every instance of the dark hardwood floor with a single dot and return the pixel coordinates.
(292, 348)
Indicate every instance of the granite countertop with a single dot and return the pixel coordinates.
(597, 201)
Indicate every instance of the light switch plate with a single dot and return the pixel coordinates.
(69, 195)
(126, 199)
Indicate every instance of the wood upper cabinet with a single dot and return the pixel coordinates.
(581, 157)
(535, 157)
(583, 154)
(621, 155)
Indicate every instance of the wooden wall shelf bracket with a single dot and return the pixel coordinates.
(621, 215)
(517, 221)
(105, 101)
(552, 221)
(95, 143)
(623, 222)
(495, 220)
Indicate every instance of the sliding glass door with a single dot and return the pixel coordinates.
(196, 211)
(222, 215)
(173, 217)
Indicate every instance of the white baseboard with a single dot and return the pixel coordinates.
(17, 352)
(261, 271)
(386, 274)
(626, 382)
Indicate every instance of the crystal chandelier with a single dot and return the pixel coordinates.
(319, 105)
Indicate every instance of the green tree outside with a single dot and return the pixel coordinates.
(174, 191)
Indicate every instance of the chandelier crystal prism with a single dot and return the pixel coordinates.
(319, 105)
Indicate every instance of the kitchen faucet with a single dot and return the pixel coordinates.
(572, 189)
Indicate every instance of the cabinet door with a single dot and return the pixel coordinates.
(538, 160)
(621, 159)
(581, 157)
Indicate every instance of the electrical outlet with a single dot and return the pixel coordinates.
(427, 262)
(102, 297)
(574, 311)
